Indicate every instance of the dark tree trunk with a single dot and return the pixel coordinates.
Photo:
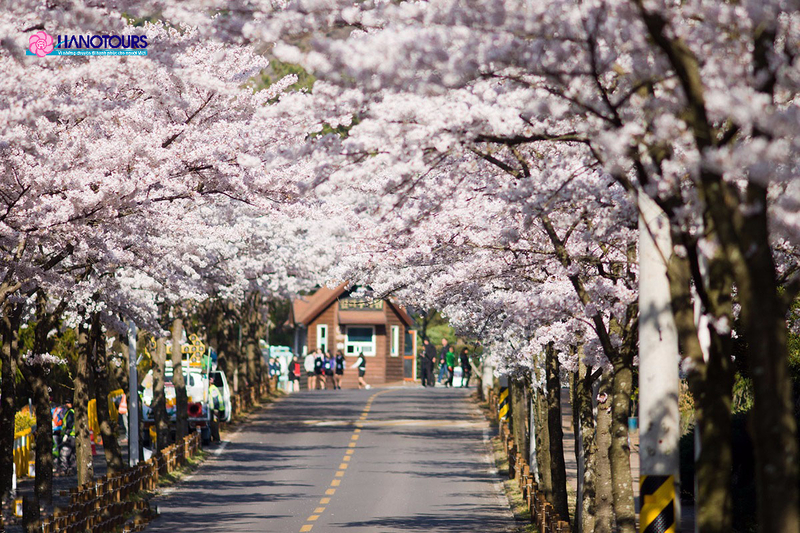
(10, 327)
(181, 399)
(584, 422)
(711, 385)
(83, 450)
(545, 474)
(520, 415)
(111, 448)
(159, 397)
(251, 334)
(556, 435)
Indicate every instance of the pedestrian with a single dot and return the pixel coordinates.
(466, 368)
(319, 369)
(361, 364)
(308, 364)
(123, 413)
(450, 362)
(428, 361)
(216, 406)
(339, 369)
(329, 364)
(442, 362)
(57, 413)
(295, 370)
(66, 455)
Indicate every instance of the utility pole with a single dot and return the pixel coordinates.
(659, 417)
(133, 397)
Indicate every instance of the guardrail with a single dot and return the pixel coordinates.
(102, 505)
(543, 513)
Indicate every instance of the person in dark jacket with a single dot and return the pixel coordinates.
(443, 362)
(428, 360)
(339, 369)
(466, 368)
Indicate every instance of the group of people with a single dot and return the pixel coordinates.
(325, 371)
(64, 438)
(447, 360)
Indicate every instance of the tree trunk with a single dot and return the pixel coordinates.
(83, 450)
(543, 455)
(604, 502)
(774, 424)
(111, 448)
(711, 384)
(10, 327)
(620, 451)
(584, 424)
(519, 415)
(181, 399)
(159, 397)
(251, 333)
(556, 435)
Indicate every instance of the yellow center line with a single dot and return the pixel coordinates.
(342, 467)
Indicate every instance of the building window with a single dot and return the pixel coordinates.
(408, 348)
(322, 337)
(395, 351)
(360, 339)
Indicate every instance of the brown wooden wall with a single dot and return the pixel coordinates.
(382, 368)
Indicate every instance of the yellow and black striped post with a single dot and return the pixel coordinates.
(658, 504)
(503, 403)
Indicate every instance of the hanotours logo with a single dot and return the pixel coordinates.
(42, 44)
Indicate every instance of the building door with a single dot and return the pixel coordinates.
(410, 356)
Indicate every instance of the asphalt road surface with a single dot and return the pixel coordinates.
(380, 460)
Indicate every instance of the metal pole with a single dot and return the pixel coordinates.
(658, 373)
(133, 398)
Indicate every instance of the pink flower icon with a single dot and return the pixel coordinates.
(41, 44)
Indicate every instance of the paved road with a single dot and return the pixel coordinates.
(390, 460)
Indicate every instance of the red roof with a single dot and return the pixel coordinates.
(306, 308)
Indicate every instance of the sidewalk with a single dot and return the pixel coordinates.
(687, 511)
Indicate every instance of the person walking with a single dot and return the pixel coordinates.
(450, 362)
(295, 371)
(361, 363)
(308, 364)
(428, 361)
(339, 369)
(217, 407)
(66, 453)
(319, 369)
(328, 365)
(442, 362)
(122, 410)
(466, 368)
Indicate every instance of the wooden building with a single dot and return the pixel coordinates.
(332, 320)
